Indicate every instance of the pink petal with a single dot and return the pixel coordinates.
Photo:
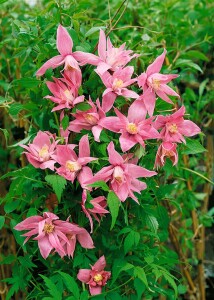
(102, 45)
(167, 90)
(137, 171)
(84, 175)
(64, 41)
(156, 65)
(52, 63)
(189, 128)
(100, 264)
(45, 247)
(84, 149)
(84, 275)
(108, 101)
(95, 290)
(163, 96)
(137, 111)
(86, 58)
(96, 130)
(85, 239)
(127, 141)
(149, 100)
(114, 157)
(111, 123)
(142, 80)
(129, 94)
(102, 68)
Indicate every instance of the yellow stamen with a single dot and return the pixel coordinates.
(43, 152)
(118, 83)
(90, 119)
(155, 84)
(173, 128)
(72, 166)
(98, 277)
(132, 128)
(48, 228)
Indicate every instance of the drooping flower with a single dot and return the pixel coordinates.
(134, 128)
(40, 152)
(52, 233)
(73, 166)
(174, 127)
(96, 209)
(95, 277)
(116, 85)
(122, 175)
(153, 83)
(109, 57)
(166, 149)
(66, 57)
(89, 120)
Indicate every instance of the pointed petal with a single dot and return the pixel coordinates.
(102, 45)
(100, 264)
(163, 96)
(127, 141)
(95, 290)
(84, 275)
(137, 171)
(167, 90)
(149, 100)
(129, 94)
(137, 111)
(108, 101)
(96, 130)
(114, 157)
(86, 58)
(64, 41)
(111, 123)
(156, 65)
(52, 63)
(45, 247)
(84, 149)
(189, 128)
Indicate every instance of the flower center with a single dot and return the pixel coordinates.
(43, 152)
(173, 128)
(48, 228)
(156, 84)
(72, 166)
(98, 277)
(118, 174)
(132, 128)
(118, 83)
(90, 119)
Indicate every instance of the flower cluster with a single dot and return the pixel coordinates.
(139, 124)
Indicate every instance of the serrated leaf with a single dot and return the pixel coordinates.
(53, 290)
(140, 273)
(119, 266)
(152, 223)
(113, 204)
(6, 134)
(15, 108)
(100, 184)
(193, 147)
(71, 284)
(2, 220)
(171, 281)
(58, 184)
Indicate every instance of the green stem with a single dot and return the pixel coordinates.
(57, 122)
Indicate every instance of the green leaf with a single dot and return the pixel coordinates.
(84, 295)
(15, 108)
(196, 54)
(11, 206)
(58, 184)
(139, 287)
(70, 284)
(93, 30)
(140, 273)
(53, 290)
(6, 134)
(119, 266)
(113, 204)
(2, 220)
(193, 147)
(26, 82)
(100, 184)
(188, 63)
(81, 106)
(171, 281)
(131, 240)
(65, 122)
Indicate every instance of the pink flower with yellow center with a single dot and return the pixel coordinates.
(166, 149)
(40, 152)
(174, 127)
(116, 85)
(95, 277)
(134, 128)
(153, 83)
(122, 175)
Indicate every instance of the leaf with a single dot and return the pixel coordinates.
(2, 220)
(152, 223)
(188, 63)
(26, 82)
(6, 134)
(93, 30)
(131, 240)
(193, 146)
(140, 273)
(100, 184)
(53, 290)
(65, 122)
(196, 54)
(70, 284)
(171, 281)
(119, 266)
(81, 106)
(58, 184)
(11, 206)
(139, 287)
(15, 108)
(113, 204)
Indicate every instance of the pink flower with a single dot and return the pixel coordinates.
(174, 127)
(73, 166)
(153, 83)
(97, 209)
(117, 86)
(89, 120)
(134, 128)
(96, 278)
(110, 58)
(66, 57)
(65, 92)
(166, 149)
(53, 233)
(42, 149)
(122, 175)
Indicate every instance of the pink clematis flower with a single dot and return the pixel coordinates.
(65, 94)
(53, 233)
(174, 127)
(97, 209)
(73, 166)
(89, 120)
(96, 278)
(66, 57)
(153, 83)
(117, 86)
(109, 57)
(134, 128)
(166, 149)
(40, 152)
(122, 175)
